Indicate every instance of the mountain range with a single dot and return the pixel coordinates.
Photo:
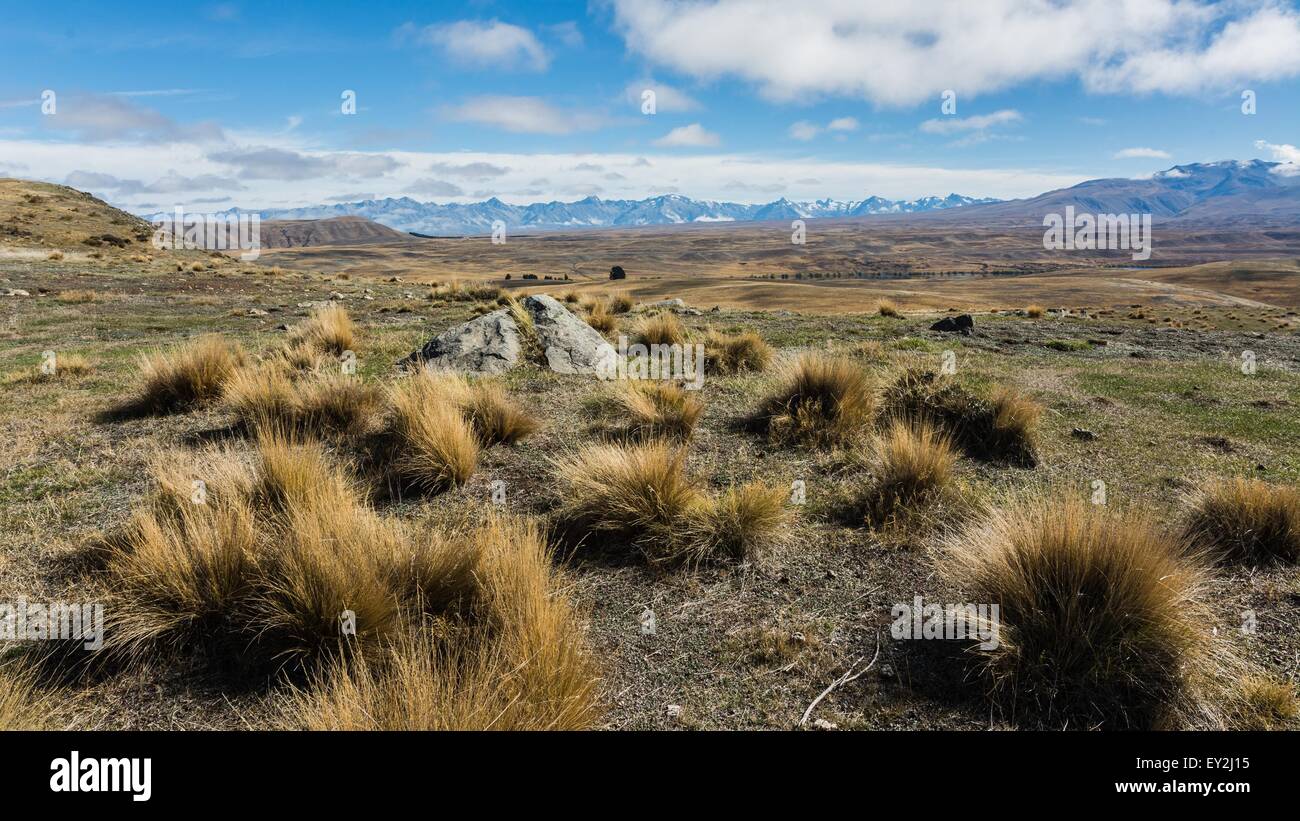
(1226, 192)
(456, 219)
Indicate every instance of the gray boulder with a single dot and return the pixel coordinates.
(487, 344)
(568, 344)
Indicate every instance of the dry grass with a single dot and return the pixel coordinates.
(739, 524)
(55, 256)
(887, 307)
(329, 330)
(185, 377)
(822, 400)
(24, 705)
(1246, 521)
(495, 417)
(602, 318)
(330, 404)
(1002, 428)
(79, 296)
(518, 662)
(1265, 703)
(660, 329)
(639, 497)
(620, 304)
(1034, 311)
(1102, 618)
(736, 353)
(909, 466)
(427, 443)
(638, 409)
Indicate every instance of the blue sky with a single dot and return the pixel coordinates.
(240, 103)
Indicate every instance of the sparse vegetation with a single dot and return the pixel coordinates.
(821, 400)
(1102, 621)
(1247, 521)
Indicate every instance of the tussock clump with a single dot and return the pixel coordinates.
(638, 497)
(186, 377)
(517, 663)
(1264, 703)
(55, 256)
(1102, 621)
(570, 297)
(329, 330)
(495, 417)
(620, 304)
(1002, 428)
(1034, 311)
(910, 465)
(640, 409)
(427, 443)
(660, 329)
(822, 400)
(736, 353)
(23, 704)
(1246, 521)
(887, 307)
(79, 296)
(331, 404)
(66, 366)
(602, 318)
(738, 524)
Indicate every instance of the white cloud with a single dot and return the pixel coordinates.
(1281, 153)
(804, 130)
(490, 44)
(523, 115)
(902, 54)
(980, 122)
(843, 124)
(434, 188)
(1143, 153)
(668, 100)
(104, 118)
(688, 136)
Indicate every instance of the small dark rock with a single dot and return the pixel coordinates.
(1084, 434)
(964, 324)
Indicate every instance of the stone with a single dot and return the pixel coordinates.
(675, 304)
(963, 324)
(568, 344)
(487, 344)
(1084, 434)
(15, 292)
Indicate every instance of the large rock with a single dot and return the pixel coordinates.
(964, 324)
(487, 344)
(568, 344)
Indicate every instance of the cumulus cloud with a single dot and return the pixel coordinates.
(902, 54)
(688, 136)
(484, 44)
(169, 183)
(843, 124)
(523, 115)
(980, 122)
(113, 118)
(262, 163)
(1142, 153)
(434, 188)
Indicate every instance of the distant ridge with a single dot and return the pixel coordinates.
(455, 219)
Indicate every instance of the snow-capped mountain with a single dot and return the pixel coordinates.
(457, 219)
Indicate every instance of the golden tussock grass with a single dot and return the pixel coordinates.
(322, 404)
(639, 409)
(1102, 617)
(328, 330)
(910, 465)
(1247, 521)
(79, 296)
(887, 307)
(185, 377)
(639, 497)
(1264, 703)
(736, 353)
(660, 329)
(620, 304)
(602, 318)
(55, 256)
(495, 417)
(514, 662)
(1000, 428)
(24, 704)
(821, 400)
(1034, 311)
(428, 442)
